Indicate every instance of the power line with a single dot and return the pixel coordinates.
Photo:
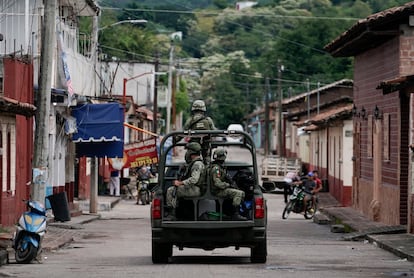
(241, 14)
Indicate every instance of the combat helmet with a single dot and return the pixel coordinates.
(198, 105)
(193, 148)
(220, 154)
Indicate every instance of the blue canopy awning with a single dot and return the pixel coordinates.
(100, 130)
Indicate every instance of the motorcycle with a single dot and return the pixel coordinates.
(296, 204)
(29, 233)
(144, 194)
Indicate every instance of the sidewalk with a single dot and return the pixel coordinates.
(59, 233)
(394, 239)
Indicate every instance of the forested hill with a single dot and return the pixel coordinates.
(236, 56)
(373, 5)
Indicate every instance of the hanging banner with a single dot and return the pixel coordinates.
(137, 155)
(64, 60)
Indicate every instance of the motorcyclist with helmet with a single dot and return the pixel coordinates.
(311, 189)
(200, 121)
(143, 174)
(190, 183)
(221, 185)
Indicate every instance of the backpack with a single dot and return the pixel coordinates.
(245, 181)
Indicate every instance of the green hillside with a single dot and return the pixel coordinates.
(230, 54)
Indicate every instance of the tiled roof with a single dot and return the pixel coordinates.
(13, 106)
(328, 115)
(396, 84)
(145, 111)
(371, 31)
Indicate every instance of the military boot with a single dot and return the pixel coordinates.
(236, 215)
(171, 216)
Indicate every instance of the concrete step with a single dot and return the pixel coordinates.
(104, 204)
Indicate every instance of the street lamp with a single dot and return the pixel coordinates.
(132, 21)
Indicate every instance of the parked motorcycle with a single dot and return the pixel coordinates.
(29, 232)
(296, 204)
(144, 192)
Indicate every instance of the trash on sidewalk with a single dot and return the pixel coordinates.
(60, 206)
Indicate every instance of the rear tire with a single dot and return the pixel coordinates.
(258, 254)
(311, 211)
(143, 198)
(161, 252)
(27, 255)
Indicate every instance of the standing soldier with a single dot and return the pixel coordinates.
(189, 185)
(220, 185)
(200, 121)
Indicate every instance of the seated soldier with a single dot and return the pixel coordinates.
(220, 185)
(188, 185)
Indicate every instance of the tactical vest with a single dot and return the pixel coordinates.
(200, 124)
(187, 173)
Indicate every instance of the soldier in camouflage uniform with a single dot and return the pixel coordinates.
(199, 121)
(190, 183)
(221, 185)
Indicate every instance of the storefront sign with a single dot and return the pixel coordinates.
(138, 154)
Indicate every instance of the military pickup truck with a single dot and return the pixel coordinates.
(275, 169)
(203, 222)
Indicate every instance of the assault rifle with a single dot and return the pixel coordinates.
(179, 175)
(229, 179)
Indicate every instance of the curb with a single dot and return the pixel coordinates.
(398, 245)
(4, 257)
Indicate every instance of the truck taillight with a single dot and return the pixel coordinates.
(259, 211)
(156, 208)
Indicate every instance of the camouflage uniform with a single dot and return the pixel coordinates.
(221, 188)
(220, 185)
(199, 121)
(193, 178)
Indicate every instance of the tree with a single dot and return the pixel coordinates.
(228, 87)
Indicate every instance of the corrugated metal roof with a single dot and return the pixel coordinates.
(343, 82)
(348, 83)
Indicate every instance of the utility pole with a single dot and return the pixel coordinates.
(169, 93)
(308, 97)
(266, 133)
(93, 202)
(41, 144)
(155, 118)
(279, 130)
(174, 91)
(318, 100)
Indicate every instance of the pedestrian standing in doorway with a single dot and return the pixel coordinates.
(114, 185)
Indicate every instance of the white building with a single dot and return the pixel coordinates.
(245, 4)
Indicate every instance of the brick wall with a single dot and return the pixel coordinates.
(406, 51)
(371, 68)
